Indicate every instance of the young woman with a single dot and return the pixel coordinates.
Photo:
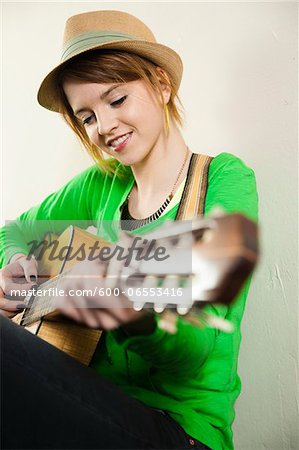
(117, 88)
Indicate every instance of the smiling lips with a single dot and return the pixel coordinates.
(119, 143)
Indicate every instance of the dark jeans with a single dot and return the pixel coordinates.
(50, 401)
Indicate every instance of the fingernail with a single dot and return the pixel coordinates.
(33, 278)
(21, 306)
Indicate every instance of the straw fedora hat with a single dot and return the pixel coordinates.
(115, 30)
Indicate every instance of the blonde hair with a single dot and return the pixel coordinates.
(111, 66)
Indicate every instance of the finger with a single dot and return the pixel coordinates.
(71, 313)
(124, 315)
(89, 317)
(105, 320)
(11, 305)
(98, 319)
(69, 308)
(12, 270)
(85, 315)
(30, 268)
(16, 289)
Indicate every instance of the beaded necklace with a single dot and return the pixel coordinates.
(131, 223)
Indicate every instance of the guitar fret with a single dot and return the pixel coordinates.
(41, 304)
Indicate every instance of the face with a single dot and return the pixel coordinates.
(125, 120)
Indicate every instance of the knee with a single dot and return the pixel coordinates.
(5, 324)
(8, 329)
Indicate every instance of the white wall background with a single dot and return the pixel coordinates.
(240, 92)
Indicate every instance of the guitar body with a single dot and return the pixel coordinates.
(76, 340)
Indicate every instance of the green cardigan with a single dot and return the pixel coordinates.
(193, 374)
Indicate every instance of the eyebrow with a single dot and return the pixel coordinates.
(102, 97)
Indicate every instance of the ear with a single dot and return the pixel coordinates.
(164, 83)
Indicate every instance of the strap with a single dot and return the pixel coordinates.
(193, 199)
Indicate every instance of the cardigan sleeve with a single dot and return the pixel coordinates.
(77, 201)
(231, 186)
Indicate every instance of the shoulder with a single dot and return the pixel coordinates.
(231, 185)
(227, 163)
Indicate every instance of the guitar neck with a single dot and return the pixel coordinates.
(209, 262)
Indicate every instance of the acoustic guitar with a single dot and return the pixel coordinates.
(204, 261)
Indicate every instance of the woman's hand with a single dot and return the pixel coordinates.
(83, 298)
(17, 275)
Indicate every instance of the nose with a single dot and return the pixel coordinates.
(107, 121)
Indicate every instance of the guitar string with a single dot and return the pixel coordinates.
(42, 305)
(39, 302)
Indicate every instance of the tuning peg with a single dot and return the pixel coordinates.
(149, 281)
(138, 306)
(167, 321)
(182, 310)
(202, 319)
(159, 307)
(170, 281)
(218, 322)
(217, 211)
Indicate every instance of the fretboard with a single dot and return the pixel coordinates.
(43, 304)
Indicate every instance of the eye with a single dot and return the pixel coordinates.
(119, 102)
(87, 120)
